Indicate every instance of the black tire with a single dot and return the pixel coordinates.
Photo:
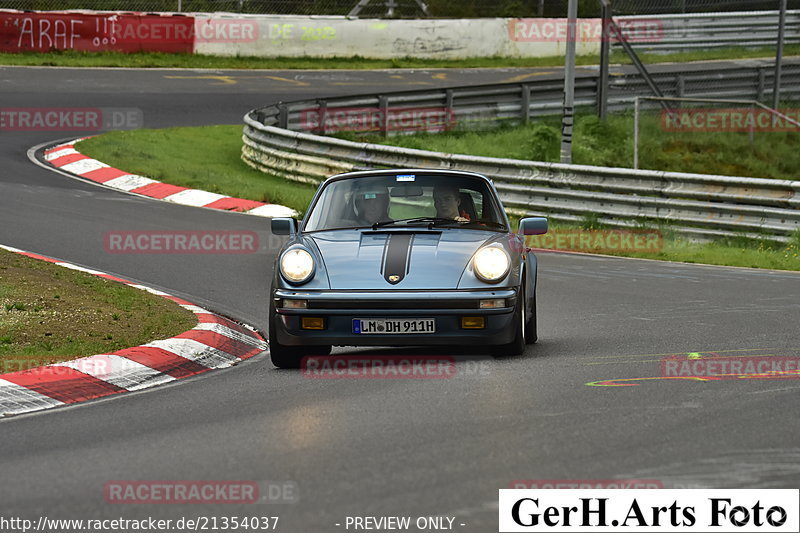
(531, 333)
(517, 346)
(317, 350)
(289, 356)
(282, 356)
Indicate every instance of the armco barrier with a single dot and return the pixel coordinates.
(697, 204)
(686, 32)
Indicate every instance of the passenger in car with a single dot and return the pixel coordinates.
(446, 199)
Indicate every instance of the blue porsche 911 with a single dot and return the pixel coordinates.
(403, 258)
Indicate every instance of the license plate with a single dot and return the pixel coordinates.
(393, 326)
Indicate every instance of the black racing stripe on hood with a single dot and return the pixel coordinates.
(397, 257)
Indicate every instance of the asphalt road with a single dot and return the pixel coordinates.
(389, 446)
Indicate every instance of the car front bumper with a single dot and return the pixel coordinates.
(338, 309)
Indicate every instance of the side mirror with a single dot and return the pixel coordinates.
(533, 226)
(284, 226)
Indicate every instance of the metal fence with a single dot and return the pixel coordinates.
(653, 7)
(699, 205)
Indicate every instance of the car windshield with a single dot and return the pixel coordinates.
(398, 200)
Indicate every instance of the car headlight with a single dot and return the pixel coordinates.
(297, 265)
(491, 263)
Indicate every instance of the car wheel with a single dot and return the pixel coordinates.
(282, 356)
(517, 346)
(317, 350)
(289, 356)
(531, 334)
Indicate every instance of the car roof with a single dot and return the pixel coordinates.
(394, 171)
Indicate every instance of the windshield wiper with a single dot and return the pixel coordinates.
(432, 221)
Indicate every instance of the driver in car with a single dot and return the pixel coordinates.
(446, 199)
(371, 206)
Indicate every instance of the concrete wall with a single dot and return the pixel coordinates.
(307, 36)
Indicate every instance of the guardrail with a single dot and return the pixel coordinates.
(696, 204)
(686, 32)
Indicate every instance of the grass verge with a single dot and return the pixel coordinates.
(49, 313)
(72, 58)
(208, 158)
(734, 251)
(610, 143)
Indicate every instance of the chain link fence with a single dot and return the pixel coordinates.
(405, 8)
(660, 7)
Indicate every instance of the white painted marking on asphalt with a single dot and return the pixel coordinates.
(119, 371)
(10, 249)
(82, 166)
(196, 309)
(128, 182)
(15, 399)
(783, 389)
(196, 351)
(60, 153)
(272, 210)
(150, 290)
(79, 268)
(194, 197)
(233, 334)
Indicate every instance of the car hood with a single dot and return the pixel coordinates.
(406, 259)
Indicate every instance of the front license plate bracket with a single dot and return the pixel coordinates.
(393, 326)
